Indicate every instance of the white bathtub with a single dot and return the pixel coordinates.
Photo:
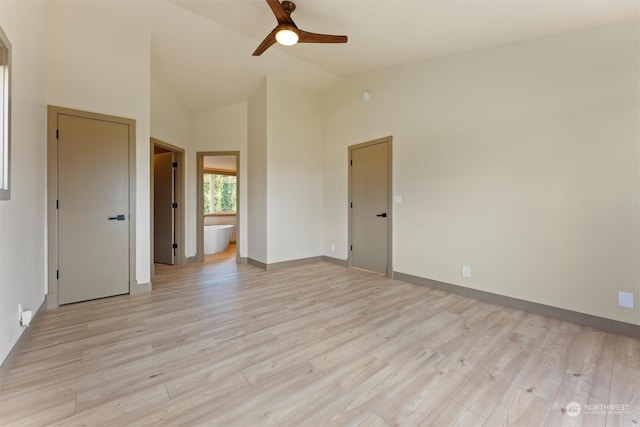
(216, 238)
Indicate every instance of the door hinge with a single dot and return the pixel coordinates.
(174, 164)
(57, 204)
(351, 162)
(351, 247)
(57, 134)
(174, 205)
(351, 204)
(174, 246)
(57, 274)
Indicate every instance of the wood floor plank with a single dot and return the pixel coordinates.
(625, 384)
(119, 410)
(373, 421)
(206, 371)
(200, 403)
(52, 407)
(545, 370)
(494, 375)
(518, 407)
(398, 394)
(229, 344)
(587, 380)
(254, 405)
(335, 407)
(452, 413)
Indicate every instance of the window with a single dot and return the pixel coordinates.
(219, 192)
(5, 116)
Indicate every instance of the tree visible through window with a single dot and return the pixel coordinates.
(219, 193)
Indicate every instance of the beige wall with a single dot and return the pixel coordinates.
(225, 129)
(218, 129)
(22, 219)
(257, 175)
(294, 172)
(172, 122)
(98, 62)
(285, 173)
(520, 161)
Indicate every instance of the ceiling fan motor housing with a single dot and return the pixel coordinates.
(289, 6)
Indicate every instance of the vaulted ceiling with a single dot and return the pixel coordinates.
(201, 49)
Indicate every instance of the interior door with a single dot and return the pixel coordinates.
(93, 208)
(163, 208)
(370, 213)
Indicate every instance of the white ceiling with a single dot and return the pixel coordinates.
(227, 163)
(201, 49)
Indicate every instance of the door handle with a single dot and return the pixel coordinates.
(117, 218)
(382, 215)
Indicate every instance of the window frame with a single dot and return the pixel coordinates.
(5, 138)
(210, 171)
(5, 116)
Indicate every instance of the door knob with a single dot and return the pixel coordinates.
(117, 218)
(383, 215)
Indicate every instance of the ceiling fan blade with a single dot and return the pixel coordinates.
(266, 43)
(282, 15)
(307, 37)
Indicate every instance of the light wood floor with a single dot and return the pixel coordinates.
(315, 345)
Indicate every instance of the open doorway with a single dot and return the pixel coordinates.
(167, 204)
(218, 204)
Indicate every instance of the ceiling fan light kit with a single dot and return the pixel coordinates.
(287, 32)
(287, 35)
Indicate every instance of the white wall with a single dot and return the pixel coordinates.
(98, 63)
(294, 172)
(257, 175)
(520, 161)
(172, 122)
(22, 219)
(225, 129)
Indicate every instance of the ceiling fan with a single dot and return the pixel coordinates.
(288, 33)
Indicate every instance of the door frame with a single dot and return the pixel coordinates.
(200, 155)
(389, 141)
(179, 219)
(52, 194)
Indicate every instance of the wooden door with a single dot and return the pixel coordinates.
(93, 208)
(370, 208)
(164, 232)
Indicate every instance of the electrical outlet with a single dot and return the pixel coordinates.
(466, 271)
(333, 247)
(625, 299)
